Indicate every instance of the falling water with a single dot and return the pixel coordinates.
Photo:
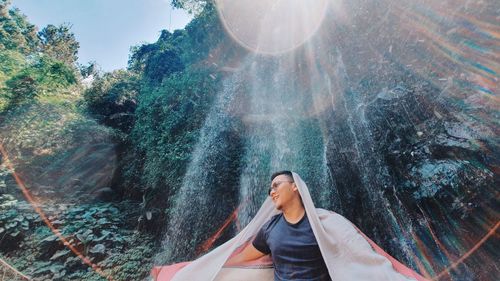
(281, 136)
(196, 205)
(361, 119)
(276, 134)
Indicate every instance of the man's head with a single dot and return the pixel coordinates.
(285, 173)
(283, 189)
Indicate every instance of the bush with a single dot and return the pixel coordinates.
(167, 127)
(113, 98)
(101, 232)
(43, 76)
(13, 223)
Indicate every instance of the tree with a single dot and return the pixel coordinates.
(162, 64)
(16, 33)
(59, 42)
(44, 76)
(158, 60)
(191, 6)
(22, 87)
(112, 98)
(92, 69)
(139, 55)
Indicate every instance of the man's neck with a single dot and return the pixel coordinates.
(294, 211)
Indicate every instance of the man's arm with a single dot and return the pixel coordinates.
(250, 253)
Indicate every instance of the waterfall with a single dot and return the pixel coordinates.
(277, 133)
(197, 204)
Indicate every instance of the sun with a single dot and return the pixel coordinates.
(271, 26)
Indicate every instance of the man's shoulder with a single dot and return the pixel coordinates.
(275, 218)
(272, 221)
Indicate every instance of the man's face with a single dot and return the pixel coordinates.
(282, 191)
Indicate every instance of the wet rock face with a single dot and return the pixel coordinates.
(429, 152)
(413, 153)
(434, 171)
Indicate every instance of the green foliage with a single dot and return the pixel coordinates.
(12, 62)
(177, 89)
(138, 56)
(13, 223)
(53, 74)
(123, 253)
(162, 64)
(57, 270)
(104, 219)
(156, 61)
(17, 39)
(135, 262)
(43, 76)
(4, 174)
(99, 231)
(175, 51)
(40, 136)
(169, 118)
(22, 87)
(192, 6)
(16, 33)
(203, 34)
(113, 98)
(59, 43)
(91, 69)
(33, 64)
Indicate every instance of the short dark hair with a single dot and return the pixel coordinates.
(287, 173)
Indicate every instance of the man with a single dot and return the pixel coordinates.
(282, 227)
(288, 237)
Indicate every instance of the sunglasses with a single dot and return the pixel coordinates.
(275, 186)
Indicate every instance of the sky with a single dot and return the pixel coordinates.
(106, 29)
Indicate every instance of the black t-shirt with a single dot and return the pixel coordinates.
(293, 248)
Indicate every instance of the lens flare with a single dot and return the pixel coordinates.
(46, 220)
(7, 266)
(233, 217)
(210, 241)
(491, 232)
(271, 27)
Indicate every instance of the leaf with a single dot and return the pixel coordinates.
(59, 254)
(59, 274)
(11, 225)
(103, 221)
(43, 267)
(104, 234)
(81, 237)
(50, 238)
(57, 222)
(56, 268)
(19, 218)
(98, 248)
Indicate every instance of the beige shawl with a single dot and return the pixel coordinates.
(348, 253)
